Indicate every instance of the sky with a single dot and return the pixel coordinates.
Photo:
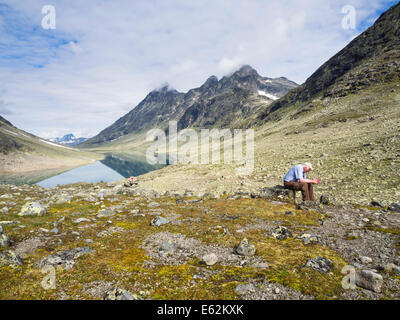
(105, 56)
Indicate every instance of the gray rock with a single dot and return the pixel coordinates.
(55, 230)
(210, 259)
(244, 288)
(1, 229)
(320, 264)
(79, 220)
(58, 222)
(281, 233)
(167, 247)
(4, 240)
(105, 213)
(391, 267)
(4, 210)
(65, 259)
(10, 258)
(88, 241)
(120, 294)
(245, 248)
(369, 280)
(325, 199)
(159, 221)
(394, 207)
(33, 209)
(309, 238)
(153, 204)
(366, 260)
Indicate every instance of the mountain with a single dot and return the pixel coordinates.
(372, 57)
(231, 100)
(22, 152)
(69, 140)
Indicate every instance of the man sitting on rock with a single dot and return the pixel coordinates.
(296, 180)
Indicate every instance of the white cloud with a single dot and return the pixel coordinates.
(105, 56)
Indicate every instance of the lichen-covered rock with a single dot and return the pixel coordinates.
(65, 259)
(320, 264)
(4, 240)
(369, 280)
(309, 238)
(33, 209)
(159, 221)
(245, 248)
(391, 267)
(10, 258)
(281, 233)
(120, 294)
(167, 247)
(105, 213)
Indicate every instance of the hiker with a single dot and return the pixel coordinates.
(296, 180)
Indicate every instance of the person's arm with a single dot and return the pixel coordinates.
(313, 181)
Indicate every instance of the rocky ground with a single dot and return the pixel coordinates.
(116, 241)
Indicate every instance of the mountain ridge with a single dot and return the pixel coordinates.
(194, 107)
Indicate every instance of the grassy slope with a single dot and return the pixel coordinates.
(34, 155)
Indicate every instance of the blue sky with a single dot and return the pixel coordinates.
(105, 56)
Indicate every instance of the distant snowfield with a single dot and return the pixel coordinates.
(57, 145)
(268, 95)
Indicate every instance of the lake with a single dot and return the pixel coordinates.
(112, 168)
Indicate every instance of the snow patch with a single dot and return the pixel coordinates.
(268, 95)
(56, 145)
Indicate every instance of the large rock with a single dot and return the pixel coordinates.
(159, 221)
(10, 258)
(4, 240)
(120, 294)
(210, 259)
(369, 280)
(245, 248)
(281, 233)
(105, 213)
(394, 207)
(65, 259)
(33, 209)
(308, 238)
(320, 264)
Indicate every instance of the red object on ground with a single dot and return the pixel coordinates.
(132, 178)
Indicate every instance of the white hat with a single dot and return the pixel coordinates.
(307, 164)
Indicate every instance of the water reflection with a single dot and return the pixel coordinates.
(112, 168)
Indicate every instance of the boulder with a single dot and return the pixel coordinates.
(33, 209)
(120, 294)
(167, 247)
(159, 221)
(210, 259)
(281, 233)
(105, 213)
(4, 240)
(309, 238)
(369, 280)
(319, 264)
(394, 207)
(10, 258)
(391, 267)
(245, 248)
(65, 259)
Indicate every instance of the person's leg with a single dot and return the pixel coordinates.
(304, 191)
(298, 186)
(311, 191)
